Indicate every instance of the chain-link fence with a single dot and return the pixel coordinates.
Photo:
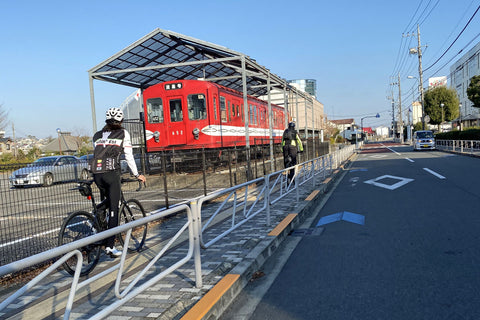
(33, 207)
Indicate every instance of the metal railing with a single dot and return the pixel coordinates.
(462, 146)
(248, 199)
(71, 249)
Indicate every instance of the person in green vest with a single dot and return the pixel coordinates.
(291, 144)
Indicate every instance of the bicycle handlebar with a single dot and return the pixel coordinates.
(134, 180)
(122, 180)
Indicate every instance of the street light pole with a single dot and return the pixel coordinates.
(460, 113)
(361, 120)
(59, 132)
(442, 105)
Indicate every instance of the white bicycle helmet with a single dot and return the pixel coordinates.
(115, 114)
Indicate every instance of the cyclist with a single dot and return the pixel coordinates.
(291, 144)
(109, 143)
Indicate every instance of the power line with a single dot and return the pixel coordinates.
(420, 23)
(465, 27)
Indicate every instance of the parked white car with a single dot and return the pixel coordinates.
(48, 170)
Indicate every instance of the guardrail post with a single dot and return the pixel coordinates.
(267, 198)
(197, 229)
(314, 161)
(296, 183)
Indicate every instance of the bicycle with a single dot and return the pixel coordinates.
(81, 224)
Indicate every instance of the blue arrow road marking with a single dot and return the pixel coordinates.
(345, 215)
(353, 217)
(329, 219)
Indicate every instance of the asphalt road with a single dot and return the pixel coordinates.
(416, 255)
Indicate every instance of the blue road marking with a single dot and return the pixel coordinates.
(345, 215)
(353, 217)
(329, 219)
(361, 170)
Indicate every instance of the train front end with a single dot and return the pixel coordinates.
(175, 113)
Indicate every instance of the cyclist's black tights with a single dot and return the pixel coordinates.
(110, 187)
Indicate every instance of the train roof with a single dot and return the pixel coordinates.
(163, 55)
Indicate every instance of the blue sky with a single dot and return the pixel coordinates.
(352, 49)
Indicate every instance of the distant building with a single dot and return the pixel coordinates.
(6, 144)
(307, 115)
(437, 82)
(460, 74)
(306, 85)
(416, 115)
(382, 131)
(347, 127)
(65, 143)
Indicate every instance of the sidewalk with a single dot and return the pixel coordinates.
(227, 267)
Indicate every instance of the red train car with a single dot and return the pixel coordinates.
(193, 114)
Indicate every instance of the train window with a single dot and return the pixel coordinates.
(228, 111)
(155, 110)
(223, 109)
(197, 109)
(215, 107)
(176, 114)
(233, 110)
(250, 111)
(255, 114)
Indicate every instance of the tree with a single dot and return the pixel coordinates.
(433, 100)
(473, 91)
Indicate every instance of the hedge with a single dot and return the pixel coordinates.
(467, 134)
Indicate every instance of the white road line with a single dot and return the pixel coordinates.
(391, 149)
(397, 153)
(28, 238)
(434, 173)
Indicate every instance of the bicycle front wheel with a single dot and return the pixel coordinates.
(79, 225)
(132, 210)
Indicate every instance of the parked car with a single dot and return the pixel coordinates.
(423, 139)
(87, 157)
(124, 166)
(48, 170)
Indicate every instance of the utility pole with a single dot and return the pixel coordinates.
(394, 125)
(400, 109)
(14, 142)
(420, 72)
(418, 51)
(393, 116)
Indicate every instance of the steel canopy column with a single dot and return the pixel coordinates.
(313, 130)
(285, 103)
(246, 113)
(92, 103)
(270, 122)
(306, 124)
(296, 110)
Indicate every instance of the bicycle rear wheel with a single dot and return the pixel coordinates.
(79, 225)
(132, 210)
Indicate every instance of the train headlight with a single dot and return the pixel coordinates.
(196, 133)
(156, 136)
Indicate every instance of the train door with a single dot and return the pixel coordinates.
(217, 115)
(176, 128)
